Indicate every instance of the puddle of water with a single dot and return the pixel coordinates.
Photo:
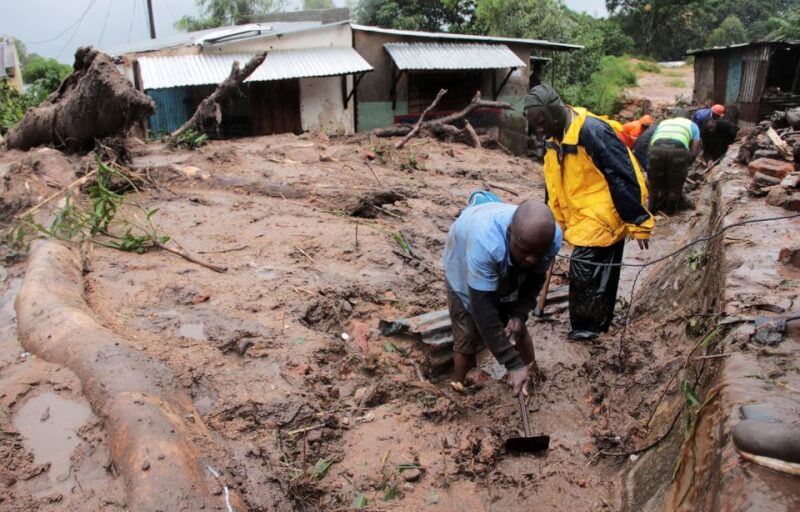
(48, 424)
(193, 330)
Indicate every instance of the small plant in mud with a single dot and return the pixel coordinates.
(696, 260)
(191, 139)
(96, 219)
(692, 405)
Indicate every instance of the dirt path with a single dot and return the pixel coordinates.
(664, 88)
(283, 360)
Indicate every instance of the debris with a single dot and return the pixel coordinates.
(209, 110)
(783, 148)
(411, 474)
(777, 196)
(417, 125)
(770, 167)
(94, 102)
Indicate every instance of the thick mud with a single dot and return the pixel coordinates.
(316, 410)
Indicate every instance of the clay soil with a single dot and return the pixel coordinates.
(282, 356)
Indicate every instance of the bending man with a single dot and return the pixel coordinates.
(495, 262)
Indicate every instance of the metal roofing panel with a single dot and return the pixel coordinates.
(550, 45)
(437, 56)
(159, 72)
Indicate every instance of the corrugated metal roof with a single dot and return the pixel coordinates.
(540, 43)
(219, 35)
(742, 45)
(180, 70)
(417, 56)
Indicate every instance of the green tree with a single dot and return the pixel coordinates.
(427, 15)
(220, 13)
(787, 29)
(317, 4)
(730, 31)
(46, 74)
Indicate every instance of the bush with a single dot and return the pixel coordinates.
(678, 82)
(648, 67)
(604, 92)
(13, 106)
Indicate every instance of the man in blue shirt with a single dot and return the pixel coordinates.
(495, 261)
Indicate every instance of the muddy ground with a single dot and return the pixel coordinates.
(282, 356)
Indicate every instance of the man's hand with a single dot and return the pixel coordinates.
(514, 329)
(518, 379)
(643, 244)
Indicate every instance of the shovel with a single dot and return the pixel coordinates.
(538, 311)
(529, 443)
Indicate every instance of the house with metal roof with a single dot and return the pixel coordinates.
(305, 83)
(10, 71)
(752, 79)
(411, 67)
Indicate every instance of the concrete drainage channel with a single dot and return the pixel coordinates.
(157, 440)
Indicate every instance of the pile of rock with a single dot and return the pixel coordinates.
(771, 151)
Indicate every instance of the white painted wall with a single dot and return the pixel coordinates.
(321, 106)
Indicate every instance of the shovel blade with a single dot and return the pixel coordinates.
(528, 444)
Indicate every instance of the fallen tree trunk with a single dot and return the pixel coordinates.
(158, 441)
(94, 102)
(417, 125)
(209, 108)
(443, 127)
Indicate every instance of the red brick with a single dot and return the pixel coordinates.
(771, 167)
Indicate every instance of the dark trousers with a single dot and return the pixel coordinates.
(593, 288)
(666, 172)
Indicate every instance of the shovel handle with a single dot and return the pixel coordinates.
(542, 300)
(523, 411)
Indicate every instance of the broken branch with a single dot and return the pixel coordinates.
(418, 124)
(188, 257)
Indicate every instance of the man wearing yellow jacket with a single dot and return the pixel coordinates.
(598, 196)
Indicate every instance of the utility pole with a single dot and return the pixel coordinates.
(150, 17)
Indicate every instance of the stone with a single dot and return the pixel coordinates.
(771, 167)
(360, 394)
(411, 475)
(761, 180)
(766, 153)
(777, 196)
(791, 181)
(790, 257)
(793, 203)
(347, 389)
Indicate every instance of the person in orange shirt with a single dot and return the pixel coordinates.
(631, 131)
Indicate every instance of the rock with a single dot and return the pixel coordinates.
(771, 167)
(793, 117)
(360, 394)
(766, 153)
(791, 181)
(412, 475)
(347, 389)
(314, 435)
(793, 203)
(360, 333)
(761, 180)
(777, 196)
(790, 257)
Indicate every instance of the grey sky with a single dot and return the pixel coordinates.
(43, 25)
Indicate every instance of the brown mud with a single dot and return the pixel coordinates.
(283, 362)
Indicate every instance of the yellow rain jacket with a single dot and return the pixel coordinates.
(594, 185)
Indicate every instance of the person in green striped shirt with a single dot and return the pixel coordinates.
(673, 147)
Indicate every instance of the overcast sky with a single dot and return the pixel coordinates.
(55, 28)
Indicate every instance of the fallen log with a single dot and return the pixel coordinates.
(443, 127)
(94, 102)
(157, 439)
(209, 109)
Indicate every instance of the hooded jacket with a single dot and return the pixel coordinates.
(594, 185)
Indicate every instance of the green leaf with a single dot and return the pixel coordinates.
(320, 469)
(407, 467)
(389, 347)
(390, 494)
(360, 501)
(152, 212)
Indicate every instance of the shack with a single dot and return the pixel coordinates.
(411, 67)
(753, 78)
(10, 72)
(305, 83)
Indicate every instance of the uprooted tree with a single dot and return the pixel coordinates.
(443, 127)
(209, 110)
(94, 102)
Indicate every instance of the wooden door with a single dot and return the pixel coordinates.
(275, 107)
